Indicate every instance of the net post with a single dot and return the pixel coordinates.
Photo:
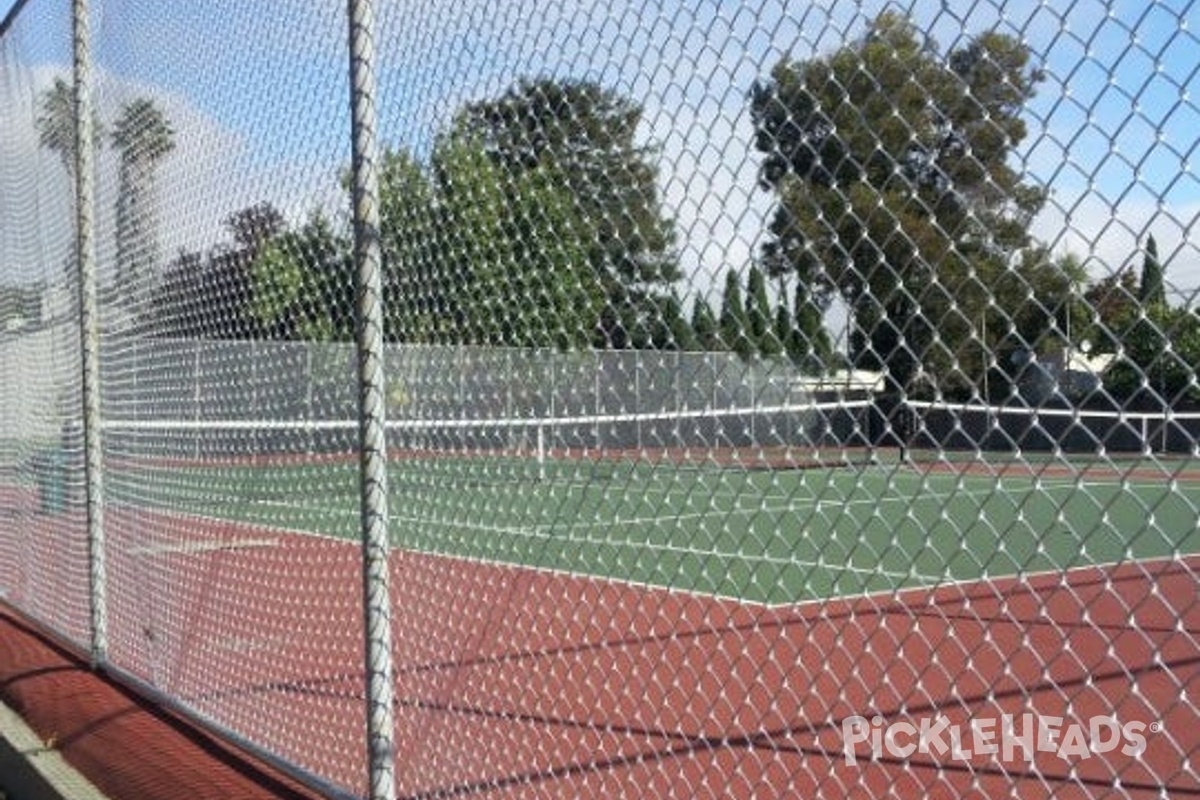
(380, 687)
(864, 427)
(89, 330)
(541, 451)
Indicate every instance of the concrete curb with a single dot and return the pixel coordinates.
(31, 769)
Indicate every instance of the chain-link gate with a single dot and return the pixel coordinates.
(631, 400)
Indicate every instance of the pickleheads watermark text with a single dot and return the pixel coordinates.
(1009, 737)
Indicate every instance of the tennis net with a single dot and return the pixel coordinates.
(758, 437)
(784, 436)
(930, 429)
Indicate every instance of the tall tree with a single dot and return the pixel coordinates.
(422, 278)
(513, 267)
(1072, 317)
(56, 132)
(143, 137)
(807, 343)
(1031, 308)
(783, 328)
(588, 135)
(1152, 291)
(891, 168)
(211, 296)
(56, 122)
(704, 326)
(252, 227)
(1158, 347)
(665, 326)
(471, 255)
(733, 323)
(1112, 303)
(759, 319)
(303, 284)
(1158, 360)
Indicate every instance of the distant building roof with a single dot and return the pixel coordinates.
(845, 380)
(1074, 360)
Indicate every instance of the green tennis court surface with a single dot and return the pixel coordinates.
(771, 536)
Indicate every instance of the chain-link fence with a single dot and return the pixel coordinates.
(655, 400)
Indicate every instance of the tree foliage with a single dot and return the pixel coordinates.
(470, 256)
(142, 133)
(759, 318)
(56, 122)
(252, 227)
(515, 270)
(211, 295)
(890, 166)
(754, 324)
(303, 284)
(1158, 360)
(704, 326)
(1152, 291)
(419, 286)
(533, 223)
(733, 323)
(807, 342)
(1157, 346)
(1113, 305)
(20, 305)
(587, 135)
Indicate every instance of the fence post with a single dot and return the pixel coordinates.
(372, 410)
(89, 332)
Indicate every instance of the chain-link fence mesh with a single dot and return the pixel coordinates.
(40, 443)
(780, 401)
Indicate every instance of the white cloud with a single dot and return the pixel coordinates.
(709, 170)
(195, 180)
(36, 210)
(1110, 234)
(210, 174)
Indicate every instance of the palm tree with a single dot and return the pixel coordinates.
(56, 132)
(56, 122)
(143, 136)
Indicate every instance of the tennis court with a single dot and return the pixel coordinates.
(574, 622)
(745, 530)
(588, 606)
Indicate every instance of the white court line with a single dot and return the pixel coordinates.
(923, 584)
(1016, 579)
(200, 546)
(800, 507)
(547, 533)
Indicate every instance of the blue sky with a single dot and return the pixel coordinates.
(261, 96)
